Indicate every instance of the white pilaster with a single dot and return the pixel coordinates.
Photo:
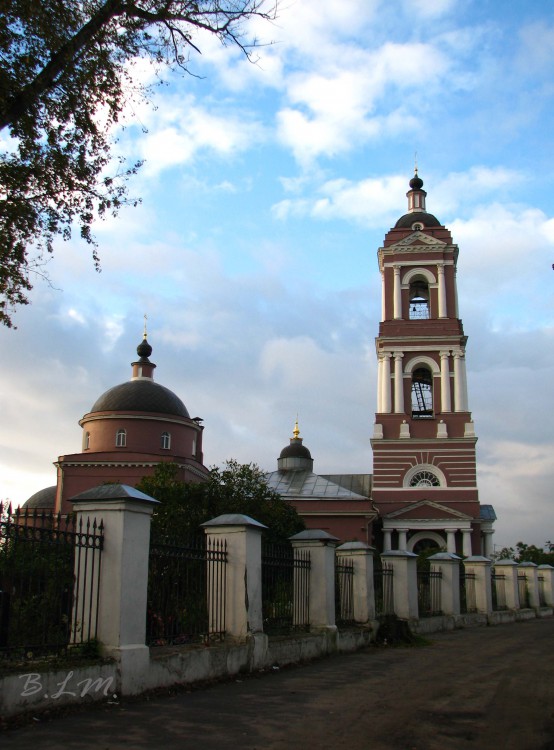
(449, 566)
(529, 570)
(404, 565)
(458, 382)
(361, 556)
(386, 384)
(442, 291)
(321, 547)
(481, 568)
(398, 384)
(397, 298)
(508, 569)
(383, 298)
(446, 404)
(546, 572)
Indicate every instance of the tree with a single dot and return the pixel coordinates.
(64, 81)
(528, 553)
(235, 488)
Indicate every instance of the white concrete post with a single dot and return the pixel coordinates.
(123, 585)
(508, 568)
(243, 599)
(481, 568)
(529, 570)
(361, 556)
(546, 572)
(404, 566)
(321, 547)
(449, 566)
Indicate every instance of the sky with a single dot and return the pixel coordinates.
(267, 189)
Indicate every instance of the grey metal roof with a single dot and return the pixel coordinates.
(141, 395)
(307, 484)
(45, 498)
(422, 217)
(486, 513)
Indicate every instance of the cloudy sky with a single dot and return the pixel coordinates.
(266, 191)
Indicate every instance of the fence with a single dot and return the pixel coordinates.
(285, 588)
(383, 580)
(42, 558)
(429, 592)
(498, 591)
(523, 591)
(344, 592)
(186, 590)
(541, 581)
(468, 595)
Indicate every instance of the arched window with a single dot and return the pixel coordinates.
(424, 478)
(121, 438)
(86, 441)
(422, 393)
(419, 299)
(166, 441)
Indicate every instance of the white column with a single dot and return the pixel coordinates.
(446, 404)
(361, 556)
(466, 546)
(404, 566)
(456, 310)
(529, 570)
(449, 566)
(481, 568)
(451, 540)
(243, 600)
(321, 547)
(488, 546)
(465, 400)
(123, 584)
(387, 541)
(402, 538)
(379, 384)
(398, 384)
(508, 568)
(442, 292)
(385, 384)
(458, 382)
(383, 298)
(397, 294)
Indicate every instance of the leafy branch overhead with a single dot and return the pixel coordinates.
(64, 82)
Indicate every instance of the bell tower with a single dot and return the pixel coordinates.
(424, 464)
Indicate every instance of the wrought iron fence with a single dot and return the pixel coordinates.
(49, 582)
(498, 591)
(429, 592)
(541, 584)
(523, 591)
(285, 588)
(186, 590)
(344, 592)
(468, 597)
(383, 580)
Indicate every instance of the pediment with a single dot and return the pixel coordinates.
(419, 238)
(428, 510)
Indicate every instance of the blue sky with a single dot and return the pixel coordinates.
(266, 192)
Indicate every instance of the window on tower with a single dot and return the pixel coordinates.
(422, 393)
(424, 478)
(419, 299)
(121, 438)
(166, 441)
(86, 441)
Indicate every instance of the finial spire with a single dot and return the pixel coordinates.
(415, 162)
(296, 431)
(145, 331)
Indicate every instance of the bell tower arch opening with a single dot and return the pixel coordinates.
(419, 299)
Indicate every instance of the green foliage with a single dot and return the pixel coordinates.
(235, 488)
(528, 553)
(64, 82)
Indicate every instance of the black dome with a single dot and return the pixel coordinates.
(141, 395)
(295, 450)
(45, 498)
(420, 217)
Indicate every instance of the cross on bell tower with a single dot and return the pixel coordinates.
(424, 462)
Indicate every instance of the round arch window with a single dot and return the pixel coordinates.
(424, 478)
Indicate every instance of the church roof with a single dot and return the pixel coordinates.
(141, 395)
(306, 484)
(421, 217)
(44, 498)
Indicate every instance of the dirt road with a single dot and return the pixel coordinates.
(483, 688)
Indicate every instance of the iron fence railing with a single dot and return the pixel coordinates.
(383, 581)
(344, 592)
(285, 588)
(498, 591)
(523, 591)
(49, 582)
(468, 598)
(186, 590)
(429, 592)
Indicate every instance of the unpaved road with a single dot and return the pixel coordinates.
(483, 688)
